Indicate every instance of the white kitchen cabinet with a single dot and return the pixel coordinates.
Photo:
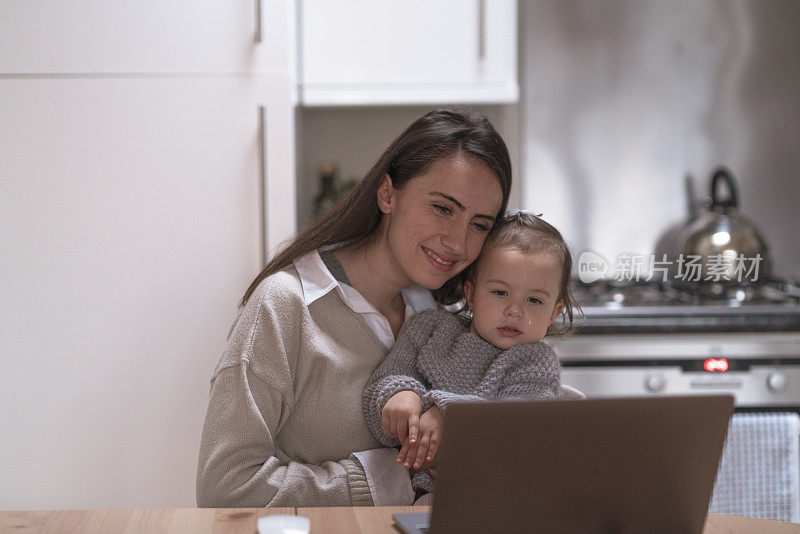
(147, 154)
(164, 39)
(132, 224)
(407, 52)
(150, 36)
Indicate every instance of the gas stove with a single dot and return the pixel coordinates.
(612, 307)
(646, 338)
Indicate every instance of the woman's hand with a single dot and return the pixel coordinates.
(430, 432)
(400, 416)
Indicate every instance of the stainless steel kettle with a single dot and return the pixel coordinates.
(724, 238)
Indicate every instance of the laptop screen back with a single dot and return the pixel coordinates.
(600, 465)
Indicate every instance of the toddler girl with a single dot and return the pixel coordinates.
(515, 290)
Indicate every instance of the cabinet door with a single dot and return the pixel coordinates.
(132, 224)
(414, 51)
(101, 36)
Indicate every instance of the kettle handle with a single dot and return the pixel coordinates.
(723, 175)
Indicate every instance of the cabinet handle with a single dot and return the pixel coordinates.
(258, 21)
(262, 174)
(481, 29)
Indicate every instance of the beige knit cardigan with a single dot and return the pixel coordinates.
(285, 411)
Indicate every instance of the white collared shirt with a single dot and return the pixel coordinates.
(317, 281)
(388, 480)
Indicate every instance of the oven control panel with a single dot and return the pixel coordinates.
(759, 386)
(759, 369)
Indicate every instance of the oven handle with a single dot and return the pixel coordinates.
(716, 382)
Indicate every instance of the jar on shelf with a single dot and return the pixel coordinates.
(328, 195)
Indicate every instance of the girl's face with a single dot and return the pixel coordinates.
(514, 298)
(436, 224)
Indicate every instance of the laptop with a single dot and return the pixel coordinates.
(596, 465)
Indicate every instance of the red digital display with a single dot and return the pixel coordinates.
(714, 365)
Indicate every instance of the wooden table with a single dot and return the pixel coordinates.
(367, 520)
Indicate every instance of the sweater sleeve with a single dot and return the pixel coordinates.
(240, 463)
(398, 372)
(443, 399)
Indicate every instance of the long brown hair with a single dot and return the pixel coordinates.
(438, 134)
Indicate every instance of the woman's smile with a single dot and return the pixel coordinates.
(438, 261)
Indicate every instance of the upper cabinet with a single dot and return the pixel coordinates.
(224, 63)
(145, 36)
(407, 52)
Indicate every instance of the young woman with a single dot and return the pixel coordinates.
(285, 425)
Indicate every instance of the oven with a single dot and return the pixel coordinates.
(654, 339)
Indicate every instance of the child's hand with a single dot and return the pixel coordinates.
(430, 432)
(400, 415)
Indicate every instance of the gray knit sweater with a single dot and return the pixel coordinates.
(439, 359)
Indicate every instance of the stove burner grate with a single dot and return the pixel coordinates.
(652, 307)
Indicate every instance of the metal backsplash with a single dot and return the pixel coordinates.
(621, 99)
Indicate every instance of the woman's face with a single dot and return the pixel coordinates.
(435, 225)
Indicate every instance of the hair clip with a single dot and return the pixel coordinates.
(509, 213)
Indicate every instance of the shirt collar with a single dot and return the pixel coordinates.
(419, 298)
(317, 281)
